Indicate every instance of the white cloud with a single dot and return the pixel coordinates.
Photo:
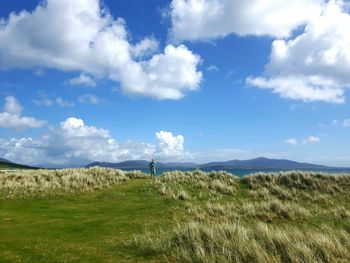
(291, 141)
(144, 48)
(11, 116)
(311, 140)
(43, 102)
(12, 106)
(306, 88)
(346, 123)
(212, 68)
(82, 79)
(75, 143)
(169, 146)
(64, 103)
(90, 99)
(315, 65)
(164, 76)
(208, 19)
(80, 36)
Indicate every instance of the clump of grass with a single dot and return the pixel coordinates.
(183, 195)
(269, 210)
(221, 187)
(340, 212)
(136, 174)
(197, 184)
(322, 182)
(28, 183)
(227, 242)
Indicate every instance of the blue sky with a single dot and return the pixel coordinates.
(174, 80)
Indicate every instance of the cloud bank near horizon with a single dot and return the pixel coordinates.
(76, 143)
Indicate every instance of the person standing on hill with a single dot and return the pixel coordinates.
(152, 166)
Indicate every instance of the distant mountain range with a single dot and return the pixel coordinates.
(257, 163)
(142, 164)
(6, 164)
(264, 163)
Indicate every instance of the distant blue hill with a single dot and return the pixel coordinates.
(6, 165)
(264, 163)
(3, 160)
(257, 163)
(141, 164)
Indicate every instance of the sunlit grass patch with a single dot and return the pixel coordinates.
(26, 183)
(283, 217)
(232, 242)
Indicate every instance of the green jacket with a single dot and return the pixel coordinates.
(152, 165)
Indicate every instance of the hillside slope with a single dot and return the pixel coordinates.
(6, 165)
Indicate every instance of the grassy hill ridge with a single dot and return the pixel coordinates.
(9, 165)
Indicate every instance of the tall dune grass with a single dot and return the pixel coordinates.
(196, 184)
(261, 242)
(318, 181)
(284, 217)
(28, 183)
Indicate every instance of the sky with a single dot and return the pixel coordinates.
(174, 80)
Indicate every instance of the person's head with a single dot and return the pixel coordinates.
(153, 160)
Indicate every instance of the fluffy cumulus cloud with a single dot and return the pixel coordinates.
(145, 47)
(311, 66)
(169, 146)
(11, 117)
(81, 36)
(82, 79)
(76, 143)
(301, 87)
(291, 141)
(208, 19)
(311, 140)
(315, 65)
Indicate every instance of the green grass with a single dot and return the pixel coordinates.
(286, 217)
(106, 215)
(90, 227)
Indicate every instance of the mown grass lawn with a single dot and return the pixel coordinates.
(90, 227)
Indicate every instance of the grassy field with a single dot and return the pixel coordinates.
(85, 227)
(105, 215)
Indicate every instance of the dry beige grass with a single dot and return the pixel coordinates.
(285, 217)
(196, 184)
(322, 182)
(232, 242)
(27, 183)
